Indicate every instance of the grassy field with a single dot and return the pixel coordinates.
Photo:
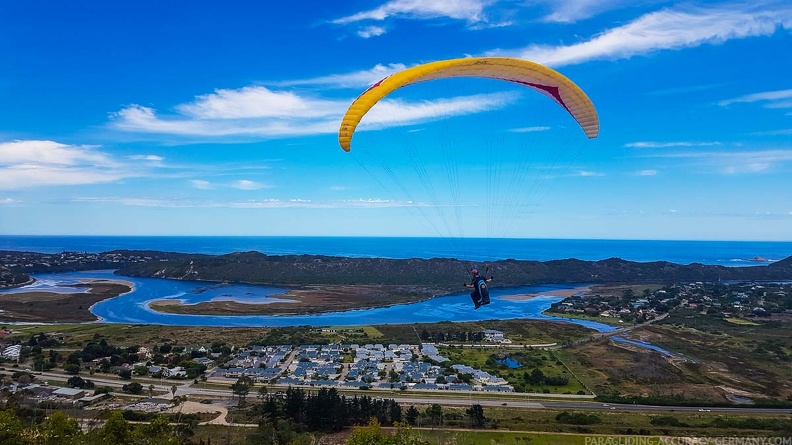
(520, 331)
(545, 361)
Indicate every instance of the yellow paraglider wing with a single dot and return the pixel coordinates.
(538, 77)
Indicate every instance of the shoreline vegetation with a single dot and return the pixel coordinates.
(61, 307)
(306, 300)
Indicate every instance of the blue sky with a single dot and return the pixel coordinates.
(202, 118)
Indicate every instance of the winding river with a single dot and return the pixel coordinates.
(133, 307)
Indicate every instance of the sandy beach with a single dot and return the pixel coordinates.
(555, 293)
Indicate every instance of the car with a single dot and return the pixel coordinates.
(504, 404)
(206, 402)
(612, 407)
(605, 404)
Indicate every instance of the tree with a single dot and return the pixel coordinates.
(133, 388)
(60, 430)
(372, 434)
(76, 382)
(125, 374)
(151, 391)
(412, 415)
(435, 414)
(476, 414)
(241, 388)
(262, 393)
(116, 430)
(10, 428)
(71, 368)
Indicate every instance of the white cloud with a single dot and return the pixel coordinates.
(668, 29)
(8, 201)
(472, 11)
(586, 173)
(371, 31)
(772, 97)
(50, 153)
(671, 144)
(152, 158)
(259, 102)
(781, 132)
(31, 175)
(201, 184)
(570, 11)
(779, 104)
(396, 112)
(254, 204)
(646, 173)
(32, 163)
(528, 129)
(355, 79)
(246, 184)
(735, 162)
(237, 113)
(141, 119)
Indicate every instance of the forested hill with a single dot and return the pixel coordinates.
(255, 267)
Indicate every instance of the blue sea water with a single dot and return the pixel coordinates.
(726, 253)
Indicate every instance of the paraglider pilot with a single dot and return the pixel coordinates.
(480, 293)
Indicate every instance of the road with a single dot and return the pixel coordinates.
(186, 388)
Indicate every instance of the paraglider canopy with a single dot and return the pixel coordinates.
(533, 75)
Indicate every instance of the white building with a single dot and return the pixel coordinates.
(12, 352)
(493, 335)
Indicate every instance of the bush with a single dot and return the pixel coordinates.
(577, 418)
(133, 388)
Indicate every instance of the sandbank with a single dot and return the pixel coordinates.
(553, 293)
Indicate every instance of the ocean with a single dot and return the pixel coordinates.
(725, 253)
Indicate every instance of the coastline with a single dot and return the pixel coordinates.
(129, 284)
(16, 286)
(553, 293)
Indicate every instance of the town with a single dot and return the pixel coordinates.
(724, 300)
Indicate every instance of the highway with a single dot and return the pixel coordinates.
(186, 388)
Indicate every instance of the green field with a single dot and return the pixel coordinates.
(546, 361)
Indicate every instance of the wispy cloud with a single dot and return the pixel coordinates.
(201, 184)
(668, 29)
(735, 162)
(684, 89)
(8, 201)
(246, 184)
(153, 158)
(771, 99)
(338, 188)
(570, 11)
(671, 144)
(471, 11)
(371, 31)
(586, 173)
(253, 204)
(32, 163)
(646, 173)
(528, 129)
(355, 79)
